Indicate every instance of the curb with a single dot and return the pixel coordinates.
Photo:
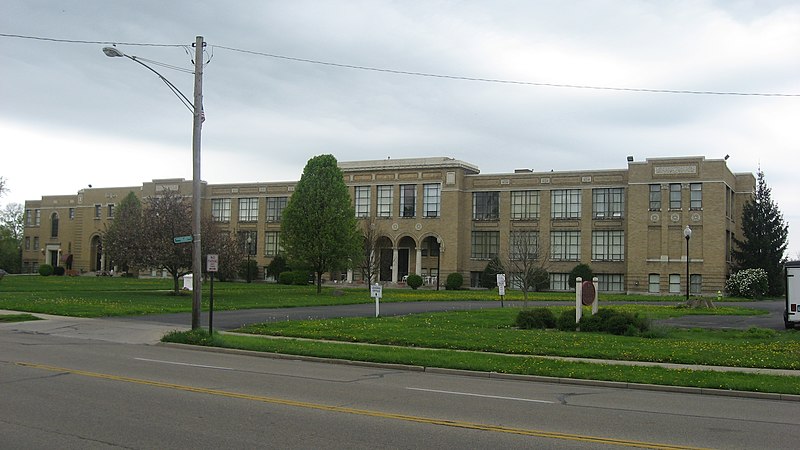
(496, 375)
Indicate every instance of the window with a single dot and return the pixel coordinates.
(37, 217)
(475, 279)
(408, 200)
(608, 203)
(523, 245)
(654, 283)
(248, 209)
(565, 245)
(485, 244)
(696, 196)
(608, 246)
(431, 199)
(98, 210)
(655, 197)
(221, 209)
(35, 243)
(566, 203)
(559, 281)
(272, 243)
(249, 248)
(485, 205)
(362, 200)
(54, 225)
(385, 201)
(674, 196)
(275, 207)
(524, 205)
(28, 218)
(695, 283)
(71, 213)
(111, 211)
(610, 282)
(674, 283)
(27, 243)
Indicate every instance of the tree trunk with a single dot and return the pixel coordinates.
(319, 282)
(176, 284)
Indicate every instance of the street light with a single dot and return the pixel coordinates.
(196, 107)
(687, 233)
(249, 241)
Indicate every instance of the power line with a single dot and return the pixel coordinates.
(75, 41)
(493, 80)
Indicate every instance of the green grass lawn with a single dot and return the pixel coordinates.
(9, 318)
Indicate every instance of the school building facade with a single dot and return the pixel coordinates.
(436, 216)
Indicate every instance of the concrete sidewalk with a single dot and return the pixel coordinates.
(105, 329)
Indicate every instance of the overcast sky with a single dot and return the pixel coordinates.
(70, 116)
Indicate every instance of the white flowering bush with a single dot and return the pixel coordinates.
(749, 283)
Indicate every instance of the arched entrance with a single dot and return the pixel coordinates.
(96, 259)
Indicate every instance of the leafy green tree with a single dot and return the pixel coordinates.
(11, 227)
(765, 237)
(319, 226)
(123, 239)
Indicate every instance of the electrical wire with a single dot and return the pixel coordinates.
(492, 80)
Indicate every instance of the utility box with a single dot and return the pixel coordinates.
(791, 315)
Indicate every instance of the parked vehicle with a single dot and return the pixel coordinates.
(791, 315)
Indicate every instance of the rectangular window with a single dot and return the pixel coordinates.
(485, 205)
(385, 194)
(248, 209)
(559, 282)
(362, 195)
(431, 199)
(37, 217)
(28, 218)
(408, 200)
(98, 211)
(275, 207)
(272, 244)
(525, 205)
(221, 209)
(696, 196)
(249, 242)
(523, 245)
(565, 245)
(27, 243)
(654, 283)
(674, 283)
(610, 282)
(111, 211)
(566, 203)
(608, 246)
(655, 197)
(695, 283)
(608, 203)
(35, 243)
(485, 244)
(674, 196)
(71, 213)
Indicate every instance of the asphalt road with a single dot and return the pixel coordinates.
(65, 393)
(228, 320)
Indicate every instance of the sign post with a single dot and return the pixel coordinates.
(376, 292)
(501, 287)
(212, 265)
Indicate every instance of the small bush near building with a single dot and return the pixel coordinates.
(59, 271)
(454, 281)
(45, 270)
(749, 283)
(286, 278)
(566, 321)
(414, 281)
(581, 270)
(541, 318)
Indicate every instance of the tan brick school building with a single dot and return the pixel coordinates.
(436, 216)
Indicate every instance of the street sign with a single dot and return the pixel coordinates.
(212, 263)
(182, 239)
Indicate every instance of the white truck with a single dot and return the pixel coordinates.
(791, 315)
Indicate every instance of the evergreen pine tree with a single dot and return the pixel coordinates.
(765, 237)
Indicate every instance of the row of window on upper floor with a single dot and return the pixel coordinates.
(675, 198)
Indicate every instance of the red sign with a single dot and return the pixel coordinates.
(587, 293)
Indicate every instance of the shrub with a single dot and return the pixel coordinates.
(286, 278)
(749, 283)
(615, 322)
(581, 270)
(566, 321)
(528, 319)
(301, 277)
(538, 280)
(59, 271)
(489, 274)
(454, 281)
(45, 270)
(414, 281)
(248, 268)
